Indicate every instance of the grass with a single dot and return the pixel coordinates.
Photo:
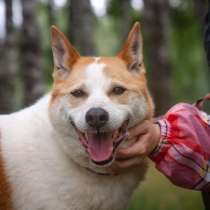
(157, 193)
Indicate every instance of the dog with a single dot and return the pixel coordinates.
(56, 154)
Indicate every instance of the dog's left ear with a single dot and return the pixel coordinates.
(131, 52)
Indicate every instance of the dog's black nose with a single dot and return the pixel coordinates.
(97, 117)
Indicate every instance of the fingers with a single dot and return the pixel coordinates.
(136, 149)
(139, 129)
(142, 140)
(122, 166)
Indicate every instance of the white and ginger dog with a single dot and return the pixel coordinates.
(56, 154)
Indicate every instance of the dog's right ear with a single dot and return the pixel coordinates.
(64, 54)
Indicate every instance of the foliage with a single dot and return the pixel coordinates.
(190, 76)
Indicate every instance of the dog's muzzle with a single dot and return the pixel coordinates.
(101, 143)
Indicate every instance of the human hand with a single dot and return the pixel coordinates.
(144, 138)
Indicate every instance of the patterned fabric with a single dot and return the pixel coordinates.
(183, 153)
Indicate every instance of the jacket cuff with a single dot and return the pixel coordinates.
(164, 134)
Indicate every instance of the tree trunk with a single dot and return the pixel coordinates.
(155, 27)
(82, 26)
(121, 13)
(8, 63)
(125, 20)
(200, 8)
(30, 49)
(51, 12)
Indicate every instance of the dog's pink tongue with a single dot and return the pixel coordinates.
(100, 146)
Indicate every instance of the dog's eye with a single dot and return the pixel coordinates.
(118, 90)
(78, 93)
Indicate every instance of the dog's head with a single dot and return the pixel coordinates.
(95, 99)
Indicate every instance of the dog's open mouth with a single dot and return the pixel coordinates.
(100, 145)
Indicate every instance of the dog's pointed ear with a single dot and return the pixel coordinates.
(131, 52)
(64, 54)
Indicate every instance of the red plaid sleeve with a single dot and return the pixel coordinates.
(183, 153)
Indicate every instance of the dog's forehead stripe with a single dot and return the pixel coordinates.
(95, 76)
(97, 59)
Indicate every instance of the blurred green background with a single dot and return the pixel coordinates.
(173, 32)
(157, 193)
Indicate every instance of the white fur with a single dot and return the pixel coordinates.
(48, 168)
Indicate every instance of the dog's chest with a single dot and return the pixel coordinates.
(43, 179)
(75, 190)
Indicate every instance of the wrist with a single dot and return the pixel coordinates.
(156, 136)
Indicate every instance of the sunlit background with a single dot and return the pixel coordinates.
(173, 49)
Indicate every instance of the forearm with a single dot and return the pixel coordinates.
(183, 152)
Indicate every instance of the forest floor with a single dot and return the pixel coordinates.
(157, 193)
